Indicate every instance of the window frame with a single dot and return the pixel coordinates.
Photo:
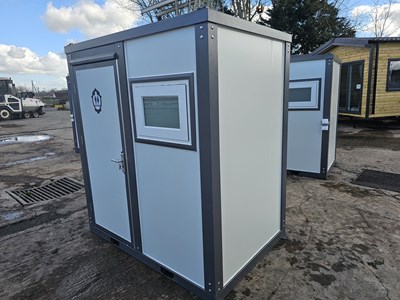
(315, 85)
(180, 85)
(387, 76)
(348, 65)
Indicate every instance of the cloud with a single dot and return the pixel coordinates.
(22, 60)
(49, 70)
(15, 52)
(88, 17)
(18, 61)
(380, 18)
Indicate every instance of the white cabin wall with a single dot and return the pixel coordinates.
(251, 84)
(168, 179)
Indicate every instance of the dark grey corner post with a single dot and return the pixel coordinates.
(326, 114)
(285, 137)
(208, 112)
(369, 82)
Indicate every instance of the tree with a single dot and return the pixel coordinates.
(244, 9)
(380, 18)
(169, 9)
(311, 22)
(20, 89)
(249, 10)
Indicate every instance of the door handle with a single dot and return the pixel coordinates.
(120, 162)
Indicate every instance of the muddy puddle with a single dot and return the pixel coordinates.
(24, 139)
(29, 160)
(11, 215)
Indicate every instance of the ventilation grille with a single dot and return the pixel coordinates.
(53, 190)
(380, 180)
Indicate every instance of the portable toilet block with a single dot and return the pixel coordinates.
(313, 109)
(182, 128)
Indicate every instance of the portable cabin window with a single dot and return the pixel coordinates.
(304, 94)
(162, 112)
(393, 76)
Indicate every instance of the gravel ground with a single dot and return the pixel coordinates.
(343, 239)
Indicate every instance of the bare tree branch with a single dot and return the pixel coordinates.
(379, 18)
(244, 9)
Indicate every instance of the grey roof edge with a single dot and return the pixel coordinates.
(243, 25)
(353, 42)
(310, 57)
(196, 17)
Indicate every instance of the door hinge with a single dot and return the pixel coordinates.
(325, 124)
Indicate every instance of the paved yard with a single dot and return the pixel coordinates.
(343, 239)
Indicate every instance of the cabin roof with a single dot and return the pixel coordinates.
(353, 42)
(199, 16)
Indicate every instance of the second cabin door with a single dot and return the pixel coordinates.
(305, 125)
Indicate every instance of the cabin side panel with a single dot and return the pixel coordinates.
(251, 117)
(333, 114)
(387, 103)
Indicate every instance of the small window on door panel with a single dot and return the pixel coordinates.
(304, 94)
(300, 94)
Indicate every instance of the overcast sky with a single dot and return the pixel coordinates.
(34, 33)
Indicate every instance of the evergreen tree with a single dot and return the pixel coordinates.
(311, 22)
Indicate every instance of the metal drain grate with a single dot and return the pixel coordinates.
(53, 190)
(380, 180)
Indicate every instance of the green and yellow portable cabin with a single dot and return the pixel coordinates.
(370, 75)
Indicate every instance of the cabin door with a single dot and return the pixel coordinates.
(351, 85)
(100, 118)
(305, 125)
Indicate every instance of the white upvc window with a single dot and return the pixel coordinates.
(304, 94)
(162, 111)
